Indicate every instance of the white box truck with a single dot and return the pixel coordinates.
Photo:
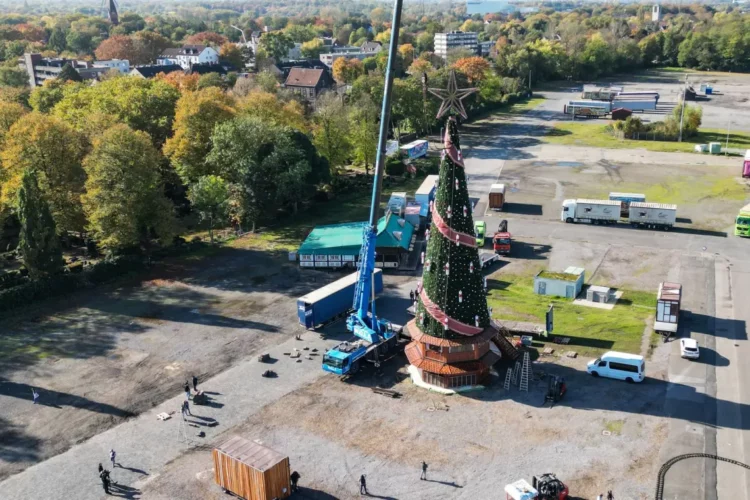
(652, 215)
(397, 203)
(592, 211)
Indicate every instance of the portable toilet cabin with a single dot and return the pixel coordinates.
(746, 165)
(251, 471)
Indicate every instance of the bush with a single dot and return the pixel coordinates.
(11, 279)
(101, 272)
(394, 166)
(428, 165)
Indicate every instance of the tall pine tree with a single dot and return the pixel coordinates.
(38, 241)
(453, 304)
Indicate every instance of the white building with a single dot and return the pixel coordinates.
(121, 65)
(446, 42)
(348, 52)
(187, 55)
(656, 13)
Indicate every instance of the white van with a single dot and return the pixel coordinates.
(619, 365)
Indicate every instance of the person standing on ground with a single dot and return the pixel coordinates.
(112, 456)
(187, 390)
(411, 295)
(34, 395)
(294, 477)
(424, 471)
(362, 485)
(100, 468)
(186, 408)
(195, 383)
(610, 496)
(104, 476)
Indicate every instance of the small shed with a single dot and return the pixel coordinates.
(567, 284)
(602, 294)
(251, 471)
(621, 113)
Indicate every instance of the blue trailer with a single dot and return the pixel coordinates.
(331, 301)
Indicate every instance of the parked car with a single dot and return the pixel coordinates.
(618, 365)
(689, 349)
(480, 229)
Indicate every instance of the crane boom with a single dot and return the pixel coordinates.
(363, 321)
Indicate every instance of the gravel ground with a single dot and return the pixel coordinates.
(729, 100)
(474, 444)
(116, 352)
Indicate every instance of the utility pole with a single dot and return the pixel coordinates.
(682, 109)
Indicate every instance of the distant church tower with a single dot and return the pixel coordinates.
(655, 13)
(114, 18)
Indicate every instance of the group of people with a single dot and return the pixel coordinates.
(104, 474)
(610, 496)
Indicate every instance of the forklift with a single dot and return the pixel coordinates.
(549, 487)
(556, 389)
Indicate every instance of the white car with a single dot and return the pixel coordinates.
(689, 349)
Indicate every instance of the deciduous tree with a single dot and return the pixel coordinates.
(232, 54)
(473, 67)
(210, 197)
(151, 45)
(269, 107)
(331, 129)
(312, 49)
(122, 47)
(179, 80)
(276, 44)
(207, 38)
(364, 131)
(54, 151)
(347, 70)
(124, 199)
(196, 116)
(37, 241)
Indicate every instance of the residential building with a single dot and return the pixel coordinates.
(487, 49)
(41, 68)
(282, 69)
(446, 42)
(121, 65)
(371, 47)
(346, 51)
(187, 55)
(310, 83)
(151, 70)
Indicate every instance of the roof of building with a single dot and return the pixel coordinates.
(346, 238)
(202, 69)
(191, 49)
(371, 46)
(151, 70)
(251, 453)
(304, 77)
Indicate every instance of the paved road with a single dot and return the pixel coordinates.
(710, 397)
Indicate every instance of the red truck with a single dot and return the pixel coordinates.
(501, 240)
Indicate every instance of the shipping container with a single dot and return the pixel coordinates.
(497, 196)
(397, 203)
(668, 301)
(412, 214)
(592, 211)
(251, 471)
(634, 104)
(426, 193)
(415, 149)
(331, 301)
(652, 215)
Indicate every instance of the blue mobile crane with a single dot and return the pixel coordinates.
(373, 336)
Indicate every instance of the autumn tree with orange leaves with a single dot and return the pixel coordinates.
(347, 70)
(473, 67)
(206, 38)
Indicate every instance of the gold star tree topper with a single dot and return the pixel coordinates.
(452, 97)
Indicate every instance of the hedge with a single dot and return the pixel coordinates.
(101, 272)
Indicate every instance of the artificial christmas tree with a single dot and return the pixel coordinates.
(452, 336)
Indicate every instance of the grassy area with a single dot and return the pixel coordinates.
(614, 426)
(682, 190)
(527, 105)
(591, 330)
(595, 135)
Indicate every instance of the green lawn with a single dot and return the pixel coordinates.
(527, 105)
(591, 330)
(680, 190)
(594, 134)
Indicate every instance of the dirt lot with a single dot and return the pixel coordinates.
(101, 357)
(474, 444)
(707, 197)
(730, 96)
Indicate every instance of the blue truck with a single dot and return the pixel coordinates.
(331, 301)
(347, 357)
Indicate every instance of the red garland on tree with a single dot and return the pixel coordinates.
(452, 344)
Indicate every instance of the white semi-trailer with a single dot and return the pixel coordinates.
(592, 211)
(652, 215)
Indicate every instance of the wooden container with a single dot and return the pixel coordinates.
(251, 471)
